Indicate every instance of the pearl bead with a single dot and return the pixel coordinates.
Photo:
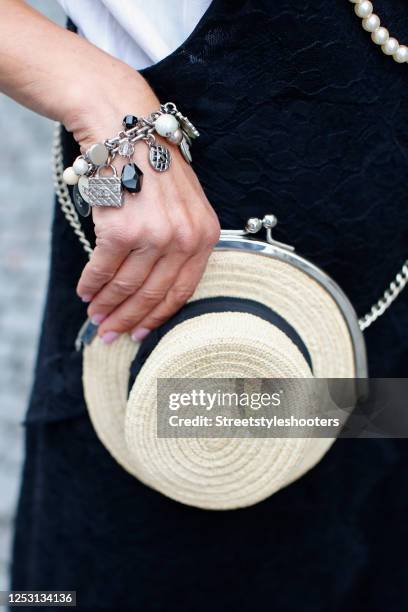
(166, 124)
(69, 177)
(363, 9)
(175, 137)
(371, 23)
(380, 36)
(391, 46)
(401, 54)
(80, 166)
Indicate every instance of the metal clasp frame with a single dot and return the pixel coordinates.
(254, 225)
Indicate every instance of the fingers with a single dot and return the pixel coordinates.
(184, 287)
(113, 244)
(127, 280)
(137, 306)
(99, 270)
(167, 287)
(148, 260)
(116, 237)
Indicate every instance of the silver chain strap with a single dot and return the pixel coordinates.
(61, 189)
(389, 296)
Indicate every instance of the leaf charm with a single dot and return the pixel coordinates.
(185, 150)
(187, 126)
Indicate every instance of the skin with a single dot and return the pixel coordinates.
(151, 253)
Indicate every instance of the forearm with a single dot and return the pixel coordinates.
(62, 76)
(151, 253)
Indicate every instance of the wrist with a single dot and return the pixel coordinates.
(97, 117)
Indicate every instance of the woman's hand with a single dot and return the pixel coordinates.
(151, 253)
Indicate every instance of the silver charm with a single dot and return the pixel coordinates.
(83, 185)
(187, 137)
(159, 157)
(126, 148)
(176, 137)
(81, 205)
(187, 126)
(185, 150)
(105, 190)
(98, 154)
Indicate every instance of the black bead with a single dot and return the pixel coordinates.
(129, 122)
(83, 208)
(132, 178)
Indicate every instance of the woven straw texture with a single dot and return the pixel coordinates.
(220, 473)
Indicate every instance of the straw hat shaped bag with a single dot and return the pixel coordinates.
(260, 311)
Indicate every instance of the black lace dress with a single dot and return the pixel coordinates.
(302, 116)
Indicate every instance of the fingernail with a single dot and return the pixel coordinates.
(109, 336)
(140, 334)
(97, 318)
(86, 297)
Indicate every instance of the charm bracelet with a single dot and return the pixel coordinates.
(92, 188)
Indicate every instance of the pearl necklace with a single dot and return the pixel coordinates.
(381, 36)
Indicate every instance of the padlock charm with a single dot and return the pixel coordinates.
(105, 190)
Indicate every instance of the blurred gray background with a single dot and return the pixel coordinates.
(26, 196)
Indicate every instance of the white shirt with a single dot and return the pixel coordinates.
(138, 32)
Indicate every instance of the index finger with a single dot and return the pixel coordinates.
(99, 270)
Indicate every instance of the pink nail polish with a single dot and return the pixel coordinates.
(140, 334)
(86, 297)
(109, 336)
(97, 318)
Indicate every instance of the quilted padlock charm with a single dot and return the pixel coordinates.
(105, 190)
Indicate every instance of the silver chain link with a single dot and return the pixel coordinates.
(63, 196)
(143, 131)
(389, 296)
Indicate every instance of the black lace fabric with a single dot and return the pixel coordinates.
(315, 130)
(300, 115)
